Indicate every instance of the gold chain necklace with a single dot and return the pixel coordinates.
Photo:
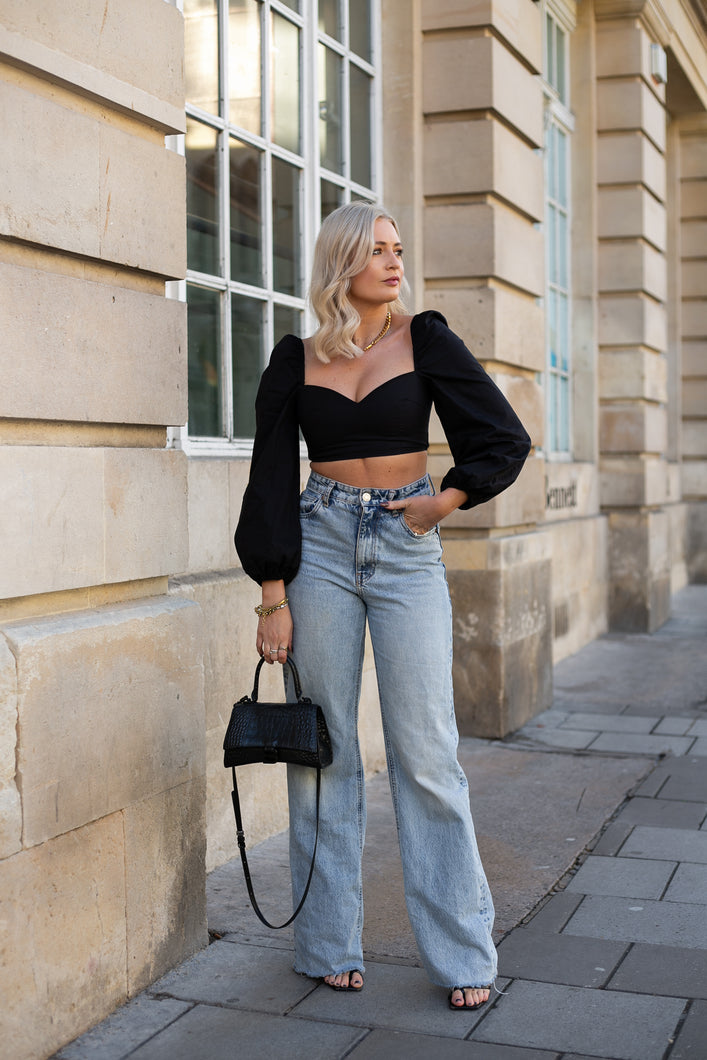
(383, 331)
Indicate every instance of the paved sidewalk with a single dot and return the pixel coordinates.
(592, 821)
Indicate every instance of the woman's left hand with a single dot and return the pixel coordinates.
(420, 513)
(423, 512)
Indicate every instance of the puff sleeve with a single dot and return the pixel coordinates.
(488, 442)
(267, 537)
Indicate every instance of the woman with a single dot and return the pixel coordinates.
(361, 545)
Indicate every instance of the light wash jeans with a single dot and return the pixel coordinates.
(361, 562)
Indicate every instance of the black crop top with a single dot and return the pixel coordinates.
(488, 442)
(392, 419)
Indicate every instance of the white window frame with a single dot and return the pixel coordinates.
(310, 189)
(558, 114)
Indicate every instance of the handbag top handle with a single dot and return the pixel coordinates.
(298, 686)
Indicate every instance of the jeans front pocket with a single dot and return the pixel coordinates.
(411, 533)
(309, 503)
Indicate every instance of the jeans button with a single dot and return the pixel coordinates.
(365, 497)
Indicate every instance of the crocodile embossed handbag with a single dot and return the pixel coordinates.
(276, 732)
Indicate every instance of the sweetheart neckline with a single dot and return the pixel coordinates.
(354, 401)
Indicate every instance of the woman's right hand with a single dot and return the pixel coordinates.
(274, 636)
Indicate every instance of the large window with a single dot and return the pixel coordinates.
(280, 130)
(558, 129)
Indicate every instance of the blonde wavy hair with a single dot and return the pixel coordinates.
(343, 249)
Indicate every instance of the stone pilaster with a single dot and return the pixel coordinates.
(693, 242)
(632, 234)
(483, 256)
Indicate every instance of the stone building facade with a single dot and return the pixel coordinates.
(547, 163)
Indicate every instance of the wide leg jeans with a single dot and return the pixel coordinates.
(362, 563)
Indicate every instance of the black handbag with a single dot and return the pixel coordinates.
(275, 732)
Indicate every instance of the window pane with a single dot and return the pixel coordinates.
(244, 64)
(552, 410)
(286, 235)
(563, 337)
(551, 324)
(294, 5)
(285, 83)
(563, 415)
(247, 352)
(287, 322)
(246, 212)
(329, 18)
(551, 166)
(560, 77)
(562, 272)
(201, 53)
(202, 198)
(204, 353)
(561, 141)
(549, 50)
(330, 154)
(551, 246)
(332, 196)
(360, 28)
(360, 91)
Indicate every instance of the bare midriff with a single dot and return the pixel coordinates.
(378, 472)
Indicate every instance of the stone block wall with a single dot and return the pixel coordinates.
(693, 382)
(631, 121)
(482, 187)
(102, 730)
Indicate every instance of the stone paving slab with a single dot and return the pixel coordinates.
(383, 1045)
(626, 743)
(613, 838)
(125, 1030)
(622, 877)
(569, 704)
(668, 970)
(609, 723)
(674, 726)
(222, 1034)
(689, 884)
(699, 747)
(699, 727)
(547, 719)
(554, 958)
(640, 920)
(229, 973)
(555, 913)
(395, 997)
(672, 844)
(683, 779)
(690, 1044)
(568, 739)
(599, 1023)
(663, 813)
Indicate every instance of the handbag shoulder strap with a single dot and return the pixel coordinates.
(241, 844)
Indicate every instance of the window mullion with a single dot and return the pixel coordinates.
(266, 212)
(225, 221)
(345, 118)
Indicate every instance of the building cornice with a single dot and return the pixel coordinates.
(651, 13)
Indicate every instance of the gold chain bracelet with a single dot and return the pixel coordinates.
(263, 612)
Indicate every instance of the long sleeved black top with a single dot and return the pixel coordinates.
(489, 444)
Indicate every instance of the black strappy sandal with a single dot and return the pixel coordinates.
(465, 1007)
(346, 989)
